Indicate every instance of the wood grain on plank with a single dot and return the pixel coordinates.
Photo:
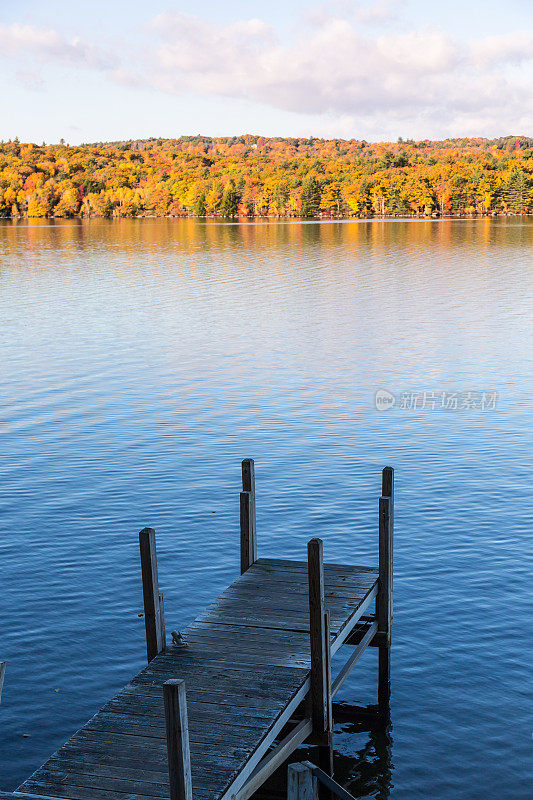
(245, 662)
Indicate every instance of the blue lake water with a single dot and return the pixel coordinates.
(141, 360)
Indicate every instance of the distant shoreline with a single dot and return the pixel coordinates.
(257, 178)
(274, 217)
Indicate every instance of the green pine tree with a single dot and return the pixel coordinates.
(230, 201)
(311, 193)
(516, 191)
(199, 206)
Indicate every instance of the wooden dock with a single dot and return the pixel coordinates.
(216, 711)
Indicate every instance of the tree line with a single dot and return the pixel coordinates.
(256, 176)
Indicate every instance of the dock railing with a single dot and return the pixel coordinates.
(317, 723)
(307, 714)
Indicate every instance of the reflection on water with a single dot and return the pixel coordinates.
(367, 772)
(142, 359)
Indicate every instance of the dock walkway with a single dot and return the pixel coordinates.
(218, 710)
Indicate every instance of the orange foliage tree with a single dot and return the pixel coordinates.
(275, 177)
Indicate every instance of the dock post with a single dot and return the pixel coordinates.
(320, 658)
(2, 673)
(248, 524)
(177, 728)
(301, 783)
(154, 613)
(384, 598)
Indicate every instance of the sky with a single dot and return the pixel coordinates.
(363, 69)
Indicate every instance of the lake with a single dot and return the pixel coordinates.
(143, 359)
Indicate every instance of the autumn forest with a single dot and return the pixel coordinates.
(255, 176)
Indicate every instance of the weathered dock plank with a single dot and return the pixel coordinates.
(237, 690)
(207, 709)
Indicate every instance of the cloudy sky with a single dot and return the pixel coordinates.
(107, 70)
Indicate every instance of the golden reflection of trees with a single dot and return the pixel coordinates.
(410, 246)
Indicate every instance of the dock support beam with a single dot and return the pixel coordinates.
(301, 783)
(248, 525)
(154, 610)
(177, 726)
(384, 598)
(321, 711)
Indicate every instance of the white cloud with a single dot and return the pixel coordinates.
(510, 49)
(191, 46)
(360, 11)
(337, 68)
(419, 53)
(353, 77)
(48, 44)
